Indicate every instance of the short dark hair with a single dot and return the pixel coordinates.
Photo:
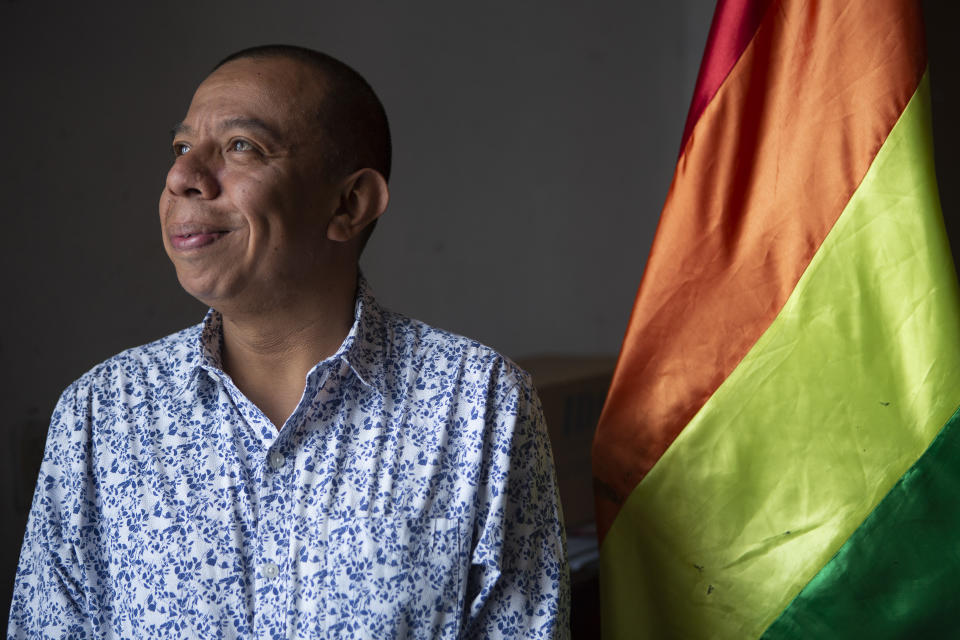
(350, 113)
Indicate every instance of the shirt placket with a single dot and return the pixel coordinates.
(268, 558)
(272, 570)
(274, 573)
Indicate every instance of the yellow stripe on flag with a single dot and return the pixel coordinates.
(841, 394)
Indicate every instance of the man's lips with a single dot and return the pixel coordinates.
(192, 236)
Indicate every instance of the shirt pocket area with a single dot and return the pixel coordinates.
(389, 577)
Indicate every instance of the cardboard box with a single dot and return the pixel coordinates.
(572, 390)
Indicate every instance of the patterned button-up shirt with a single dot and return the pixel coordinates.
(410, 494)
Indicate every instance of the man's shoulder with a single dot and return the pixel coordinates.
(445, 354)
(156, 363)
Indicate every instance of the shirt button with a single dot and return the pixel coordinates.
(276, 460)
(270, 571)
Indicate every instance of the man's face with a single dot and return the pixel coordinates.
(246, 204)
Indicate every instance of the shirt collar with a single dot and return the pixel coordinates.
(363, 350)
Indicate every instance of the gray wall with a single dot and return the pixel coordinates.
(534, 146)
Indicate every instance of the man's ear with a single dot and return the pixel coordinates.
(363, 197)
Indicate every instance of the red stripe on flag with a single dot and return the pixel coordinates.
(734, 23)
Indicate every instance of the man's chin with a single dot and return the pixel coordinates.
(209, 291)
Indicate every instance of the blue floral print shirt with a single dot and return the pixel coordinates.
(411, 494)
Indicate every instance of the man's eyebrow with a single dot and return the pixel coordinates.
(180, 129)
(232, 123)
(250, 123)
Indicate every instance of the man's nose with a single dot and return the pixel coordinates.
(193, 175)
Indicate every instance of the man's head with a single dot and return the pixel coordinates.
(279, 171)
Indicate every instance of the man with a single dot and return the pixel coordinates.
(303, 463)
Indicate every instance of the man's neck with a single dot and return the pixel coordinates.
(269, 353)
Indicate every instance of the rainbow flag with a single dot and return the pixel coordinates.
(779, 454)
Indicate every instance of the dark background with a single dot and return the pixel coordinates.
(534, 145)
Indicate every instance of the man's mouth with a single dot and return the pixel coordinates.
(186, 239)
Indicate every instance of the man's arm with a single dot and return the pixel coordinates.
(49, 599)
(519, 585)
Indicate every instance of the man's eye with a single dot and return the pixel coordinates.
(241, 145)
(180, 148)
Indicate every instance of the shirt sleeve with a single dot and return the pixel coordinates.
(519, 584)
(49, 592)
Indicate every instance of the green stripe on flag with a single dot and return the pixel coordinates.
(838, 398)
(897, 576)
